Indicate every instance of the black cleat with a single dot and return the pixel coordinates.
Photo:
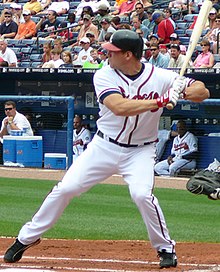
(167, 259)
(14, 253)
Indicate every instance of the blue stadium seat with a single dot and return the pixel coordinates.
(25, 64)
(189, 17)
(36, 57)
(184, 40)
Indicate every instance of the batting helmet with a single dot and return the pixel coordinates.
(125, 40)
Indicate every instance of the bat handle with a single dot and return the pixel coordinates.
(170, 106)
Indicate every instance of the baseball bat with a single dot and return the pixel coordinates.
(196, 33)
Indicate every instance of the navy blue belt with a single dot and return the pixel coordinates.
(101, 134)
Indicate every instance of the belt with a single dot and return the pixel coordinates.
(101, 134)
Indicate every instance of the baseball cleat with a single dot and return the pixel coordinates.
(167, 259)
(14, 253)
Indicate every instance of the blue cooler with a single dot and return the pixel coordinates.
(9, 148)
(55, 160)
(29, 151)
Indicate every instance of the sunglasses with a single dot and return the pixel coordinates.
(153, 49)
(138, 8)
(8, 109)
(204, 44)
(7, 16)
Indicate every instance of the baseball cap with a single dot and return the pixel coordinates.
(15, 6)
(105, 21)
(182, 48)
(125, 40)
(176, 46)
(174, 36)
(8, 12)
(162, 46)
(156, 15)
(103, 7)
(150, 10)
(103, 52)
(84, 40)
(213, 11)
(153, 36)
(87, 17)
(26, 12)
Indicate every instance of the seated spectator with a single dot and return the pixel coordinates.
(85, 7)
(84, 54)
(81, 137)
(115, 22)
(71, 20)
(213, 34)
(182, 49)
(136, 22)
(26, 30)
(47, 47)
(95, 56)
(17, 15)
(45, 3)
(168, 15)
(140, 12)
(14, 121)
(60, 7)
(183, 153)
(103, 53)
(149, 22)
(8, 29)
(55, 61)
(33, 6)
(174, 39)
(102, 12)
(58, 44)
(66, 34)
(211, 18)
(176, 58)
(164, 50)
(178, 4)
(205, 59)
(125, 9)
(87, 26)
(50, 24)
(106, 28)
(67, 59)
(157, 59)
(7, 53)
(164, 27)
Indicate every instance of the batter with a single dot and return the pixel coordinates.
(131, 97)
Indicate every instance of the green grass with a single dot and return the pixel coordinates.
(107, 212)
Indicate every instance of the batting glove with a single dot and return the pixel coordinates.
(171, 96)
(179, 84)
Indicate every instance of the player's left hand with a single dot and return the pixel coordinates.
(179, 84)
(171, 96)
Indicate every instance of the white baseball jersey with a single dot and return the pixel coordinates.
(152, 83)
(83, 135)
(184, 145)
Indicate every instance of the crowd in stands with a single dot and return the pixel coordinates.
(70, 33)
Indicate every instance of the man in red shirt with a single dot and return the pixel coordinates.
(164, 27)
(126, 8)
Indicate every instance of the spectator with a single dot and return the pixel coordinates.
(168, 15)
(47, 47)
(71, 20)
(205, 59)
(17, 16)
(8, 29)
(125, 9)
(176, 58)
(81, 137)
(157, 58)
(44, 3)
(55, 61)
(153, 38)
(66, 34)
(85, 7)
(102, 12)
(115, 22)
(149, 23)
(49, 24)
(140, 12)
(103, 53)
(7, 53)
(84, 54)
(26, 30)
(87, 26)
(183, 153)
(164, 27)
(14, 121)
(93, 42)
(95, 56)
(67, 59)
(178, 4)
(182, 49)
(211, 18)
(213, 34)
(60, 7)
(33, 6)
(174, 39)
(58, 44)
(164, 50)
(138, 25)
(106, 28)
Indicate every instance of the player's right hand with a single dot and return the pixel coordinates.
(171, 96)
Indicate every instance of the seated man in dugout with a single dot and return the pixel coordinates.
(183, 153)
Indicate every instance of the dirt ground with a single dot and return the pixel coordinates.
(105, 256)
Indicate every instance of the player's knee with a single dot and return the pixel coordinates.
(68, 191)
(139, 196)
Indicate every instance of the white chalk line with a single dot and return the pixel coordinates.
(213, 267)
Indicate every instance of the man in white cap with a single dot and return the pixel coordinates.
(17, 16)
(26, 30)
(84, 54)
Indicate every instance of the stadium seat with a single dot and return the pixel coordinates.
(183, 25)
(36, 57)
(25, 64)
(180, 32)
(184, 40)
(36, 64)
(189, 17)
(25, 53)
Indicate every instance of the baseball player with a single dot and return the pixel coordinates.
(183, 153)
(81, 137)
(131, 98)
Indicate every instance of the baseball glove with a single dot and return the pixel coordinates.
(205, 182)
